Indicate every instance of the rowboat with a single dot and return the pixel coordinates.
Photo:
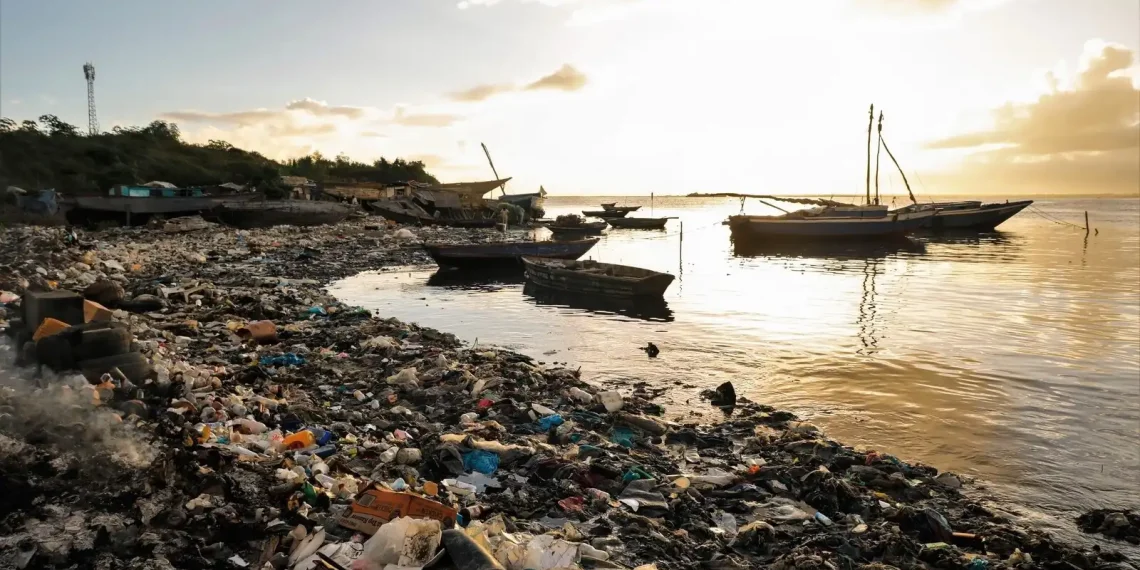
(623, 210)
(499, 254)
(593, 277)
(969, 215)
(603, 214)
(638, 223)
(582, 229)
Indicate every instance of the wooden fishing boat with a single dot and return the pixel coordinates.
(969, 215)
(834, 221)
(582, 229)
(829, 223)
(623, 210)
(593, 277)
(264, 214)
(498, 254)
(604, 214)
(639, 223)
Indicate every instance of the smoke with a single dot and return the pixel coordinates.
(60, 412)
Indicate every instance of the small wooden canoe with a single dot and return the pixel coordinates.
(620, 209)
(499, 254)
(639, 223)
(603, 214)
(583, 229)
(592, 277)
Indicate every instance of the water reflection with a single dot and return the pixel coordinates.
(489, 280)
(867, 309)
(827, 250)
(647, 309)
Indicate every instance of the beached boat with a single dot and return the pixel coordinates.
(135, 205)
(498, 254)
(592, 277)
(604, 214)
(638, 223)
(264, 214)
(969, 215)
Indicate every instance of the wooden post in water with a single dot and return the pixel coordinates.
(1086, 223)
(681, 249)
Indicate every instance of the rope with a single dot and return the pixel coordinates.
(1050, 218)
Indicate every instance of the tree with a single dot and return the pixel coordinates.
(219, 145)
(58, 128)
(7, 125)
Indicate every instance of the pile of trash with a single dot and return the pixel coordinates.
(1118, 524)
(236, 416)
(569, 220)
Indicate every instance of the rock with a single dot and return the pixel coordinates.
(948, 480)
(105, 292)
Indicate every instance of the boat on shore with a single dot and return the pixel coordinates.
(596, 278)
(580, 230)
(967, 215)
(264, 214)
(504, 254)
(136, 205)
(639, 223)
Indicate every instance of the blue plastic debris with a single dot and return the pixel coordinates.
(288, 359)
(549, 421)
(484, 462)
(622, 436)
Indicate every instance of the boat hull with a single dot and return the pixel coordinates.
(501, 255)
(643, 308)
(639, 223)
(251, 215)
(825, 229)
(603, 214)
(984, 218)
(554, 276)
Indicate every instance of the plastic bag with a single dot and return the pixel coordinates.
(404, 541)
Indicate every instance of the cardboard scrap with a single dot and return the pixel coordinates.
(49, 327)
(93, 311)
(375, 506)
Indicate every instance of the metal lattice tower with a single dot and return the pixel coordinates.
(92, 121)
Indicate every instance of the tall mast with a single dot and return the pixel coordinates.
(502, 188)
(870, 125)
(878, 151)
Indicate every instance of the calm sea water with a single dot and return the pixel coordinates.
(1012, 357)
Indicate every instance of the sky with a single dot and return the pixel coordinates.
(619, 97)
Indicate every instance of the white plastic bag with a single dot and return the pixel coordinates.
(404, 541)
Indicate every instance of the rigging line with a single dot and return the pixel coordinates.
(1054, 220)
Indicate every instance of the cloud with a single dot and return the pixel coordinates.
(1083, 131)
(565, 78)
(322, 109)
(429, 160)
(481, 92)
(403, 118)
(240, 118)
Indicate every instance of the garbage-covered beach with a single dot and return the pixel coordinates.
(198, 401)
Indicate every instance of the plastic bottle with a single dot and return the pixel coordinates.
(300, 440)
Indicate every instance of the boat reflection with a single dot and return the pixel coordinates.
(647, 309)
(965, 237)
(827, 250)
(485, 280)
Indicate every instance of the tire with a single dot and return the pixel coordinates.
(133, 365)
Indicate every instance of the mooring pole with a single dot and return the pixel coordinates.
(681, 249)
(1086, 223)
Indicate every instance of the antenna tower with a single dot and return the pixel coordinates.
(92, 122)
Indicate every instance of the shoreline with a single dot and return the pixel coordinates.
(876, 509)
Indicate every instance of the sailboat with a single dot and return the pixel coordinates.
(533, 203)
(830, 220)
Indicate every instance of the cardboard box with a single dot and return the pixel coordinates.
(49, 327)
(375, 506)
(93, 311)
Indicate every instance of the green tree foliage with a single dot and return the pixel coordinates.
(55, 154)
(343, 169)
